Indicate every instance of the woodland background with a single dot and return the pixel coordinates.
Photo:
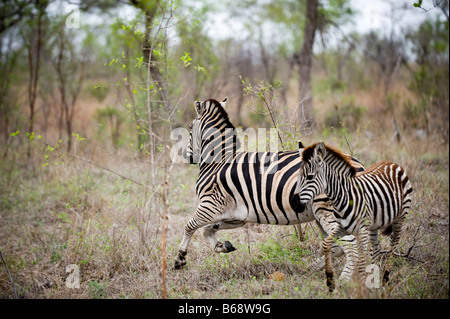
(90, 91)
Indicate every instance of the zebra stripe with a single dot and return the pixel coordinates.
(235, 188)
(365, 202)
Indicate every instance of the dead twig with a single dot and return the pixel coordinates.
(164, 227)
(298, 227)
(9, 275)
(407, 254)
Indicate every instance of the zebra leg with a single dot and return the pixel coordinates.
(336, 251)
(323, 212)
(349, 247)
(363, 241)
(327, 243)
(180, 260)
(375, 246)
(199, 220)
(346, 246)
(396, 232)
(210, 234)
(395, 238)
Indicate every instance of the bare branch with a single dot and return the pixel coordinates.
(9, 275)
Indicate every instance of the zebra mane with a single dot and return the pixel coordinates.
(215, 107)
(308, 154)
(214, 113)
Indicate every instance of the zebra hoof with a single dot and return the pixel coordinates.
(180, 261)
(330, 281)
(179, 264)
(229, 247)
(386, 276)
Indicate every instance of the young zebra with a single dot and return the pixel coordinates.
(365, 202)
(235, 188)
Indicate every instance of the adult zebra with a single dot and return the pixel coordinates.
(377, 199)
(235, 188)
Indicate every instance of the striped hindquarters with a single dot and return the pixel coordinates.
(386, 189)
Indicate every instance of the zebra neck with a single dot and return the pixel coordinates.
(218, 147)
(213, 161)
(339, 190)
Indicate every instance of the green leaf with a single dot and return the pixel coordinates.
(30, 135)
(14, 133)
(140, 60)
(78, 136)
(157, 52)
(200, 68)
(186, 58)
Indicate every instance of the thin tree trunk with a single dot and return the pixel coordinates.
(6, 106)
(67, 108)
(34, 63)
(71, 109)
(306, 113)
(62, 85)
(148, 52)
(139, 139)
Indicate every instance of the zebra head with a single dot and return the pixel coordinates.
(311, 181)
(194, 147)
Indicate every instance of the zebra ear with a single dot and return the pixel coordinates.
(301, 147)
(319, 152)
(224, 102)
(198, 108)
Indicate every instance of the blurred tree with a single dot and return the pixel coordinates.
(115, 119)
(441, 4)
(195, 40)
(150, 10)
(140, 45)
(431, 77)
(388, 53)
(8, 59)
(13, 12)
(305, 56)
(299, 20)
(33, 43)
(70, 63)
(319, 16)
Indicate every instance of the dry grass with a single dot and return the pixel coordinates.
(111, 228)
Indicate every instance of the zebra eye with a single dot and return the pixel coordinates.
(309, 177)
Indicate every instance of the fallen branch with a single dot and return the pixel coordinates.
(407, 254)
(9, 275)
(401, 255)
